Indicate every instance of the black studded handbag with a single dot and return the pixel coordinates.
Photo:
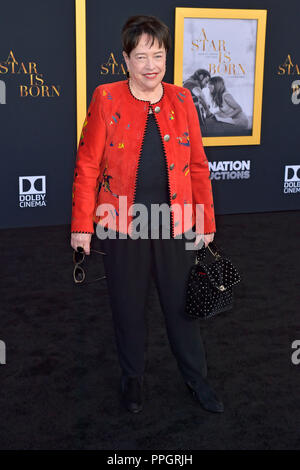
(210, 283)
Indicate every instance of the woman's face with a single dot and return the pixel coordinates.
(211, 87)
(146, 65)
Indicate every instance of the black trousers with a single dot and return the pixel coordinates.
(128, 266)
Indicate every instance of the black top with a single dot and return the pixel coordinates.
(152, 178)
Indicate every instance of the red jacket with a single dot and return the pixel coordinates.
(110, 147)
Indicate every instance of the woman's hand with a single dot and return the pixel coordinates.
(208, 237)
(81, 239)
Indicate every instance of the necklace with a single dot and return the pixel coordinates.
(132, 91)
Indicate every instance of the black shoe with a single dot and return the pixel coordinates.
(205, 395)
(132, 393)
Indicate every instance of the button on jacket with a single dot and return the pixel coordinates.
(108, 157)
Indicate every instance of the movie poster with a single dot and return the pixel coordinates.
(219, 70)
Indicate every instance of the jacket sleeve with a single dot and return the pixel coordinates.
(87, 167)
(200, 174)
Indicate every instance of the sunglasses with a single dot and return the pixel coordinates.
(78, 271)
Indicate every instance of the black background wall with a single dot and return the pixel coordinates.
(39, 134)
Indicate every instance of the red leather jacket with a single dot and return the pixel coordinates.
(108, 157)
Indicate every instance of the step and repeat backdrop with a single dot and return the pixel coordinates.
(255, 166)
(37, 111)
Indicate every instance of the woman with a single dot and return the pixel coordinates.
(228, 110)
(141, 143)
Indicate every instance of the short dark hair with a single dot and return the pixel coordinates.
(135, 26)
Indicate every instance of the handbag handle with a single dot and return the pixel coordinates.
(202, 252)
(214, 253)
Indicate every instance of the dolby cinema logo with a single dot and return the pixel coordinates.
(291, 179)
(32, 191)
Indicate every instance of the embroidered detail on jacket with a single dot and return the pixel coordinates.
(171, 115)
(107, 94)
(114, 118)
(181, 96)
(184, 139)
(84, 125)
(121, 145)
(186, 169)
(106, 183)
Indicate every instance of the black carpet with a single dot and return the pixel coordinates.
(59, 387)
